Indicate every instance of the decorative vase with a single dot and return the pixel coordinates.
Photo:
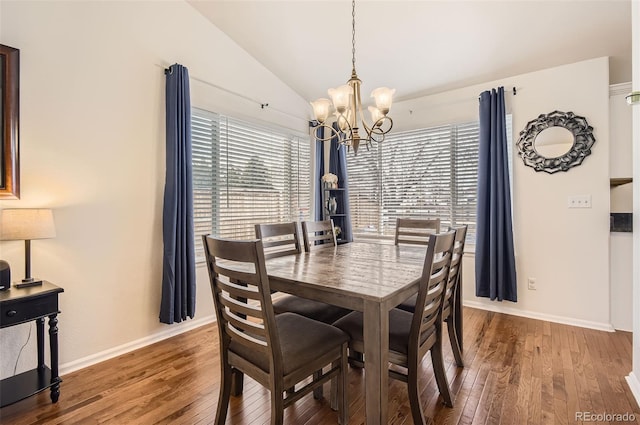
(332, 205)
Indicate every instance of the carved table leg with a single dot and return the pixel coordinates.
(53, 341)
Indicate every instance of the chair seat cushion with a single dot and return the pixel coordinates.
(399, 328)
(325, 313)
(302, 340)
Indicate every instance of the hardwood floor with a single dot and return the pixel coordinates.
(518, 371)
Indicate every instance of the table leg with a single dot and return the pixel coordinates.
(376, 357)
(237, 382)
(40, 341)
(53, 342)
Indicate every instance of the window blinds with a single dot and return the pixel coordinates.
(244, 174)
(428, 172)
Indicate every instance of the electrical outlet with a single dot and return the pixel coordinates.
(531, 283)
(579, 201)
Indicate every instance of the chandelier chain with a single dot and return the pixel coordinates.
(353, 35)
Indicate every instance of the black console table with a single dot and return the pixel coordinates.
(21, 305)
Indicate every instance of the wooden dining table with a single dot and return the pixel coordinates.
(369, 277)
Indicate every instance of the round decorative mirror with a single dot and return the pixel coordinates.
(555, 142)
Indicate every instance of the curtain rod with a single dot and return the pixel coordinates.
(263, 105)
(507, 90)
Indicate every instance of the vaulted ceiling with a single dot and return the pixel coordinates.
(422, 47)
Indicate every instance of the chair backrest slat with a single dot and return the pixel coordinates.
(247, 340)
(240, 306)
(279, 239)
(318, 231)
(238, 291)
(415, 230)
(242, 297)
(245, 326)
(235, 275)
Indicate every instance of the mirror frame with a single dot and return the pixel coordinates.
(9, 154)
(583, 140)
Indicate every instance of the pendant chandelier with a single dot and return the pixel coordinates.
(347, 109)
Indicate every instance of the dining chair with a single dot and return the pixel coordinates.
(318, 234)
(272, 236)
(453, 286)
(415, 230)
(412, 335)
(279, 239)
(278, 351)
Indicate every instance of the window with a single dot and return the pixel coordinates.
(243, 174)
(429, 172)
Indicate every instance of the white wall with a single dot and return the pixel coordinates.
(566, 250)
(92, 148)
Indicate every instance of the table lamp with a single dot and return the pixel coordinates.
(26, 224)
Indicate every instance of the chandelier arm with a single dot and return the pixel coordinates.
(378, 125)
(332, 133)
(349, 128)
(375, 128)
(378, 129)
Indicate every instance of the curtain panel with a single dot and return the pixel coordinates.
(495, 259)
(178, 264)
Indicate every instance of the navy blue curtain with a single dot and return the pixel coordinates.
(338, 166)
(178, 263)
(495, 260)
(319, 172)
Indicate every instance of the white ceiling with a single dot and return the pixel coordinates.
(422, 47)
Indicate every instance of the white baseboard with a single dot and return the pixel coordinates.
(166, 332)
(634, 385)
(498, 308)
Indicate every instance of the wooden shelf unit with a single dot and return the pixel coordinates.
(339, 216)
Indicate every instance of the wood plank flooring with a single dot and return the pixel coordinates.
(518, 371)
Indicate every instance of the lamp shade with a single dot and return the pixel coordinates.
(341, 97)
(321, 109)
(383, 97)
(26, 224)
